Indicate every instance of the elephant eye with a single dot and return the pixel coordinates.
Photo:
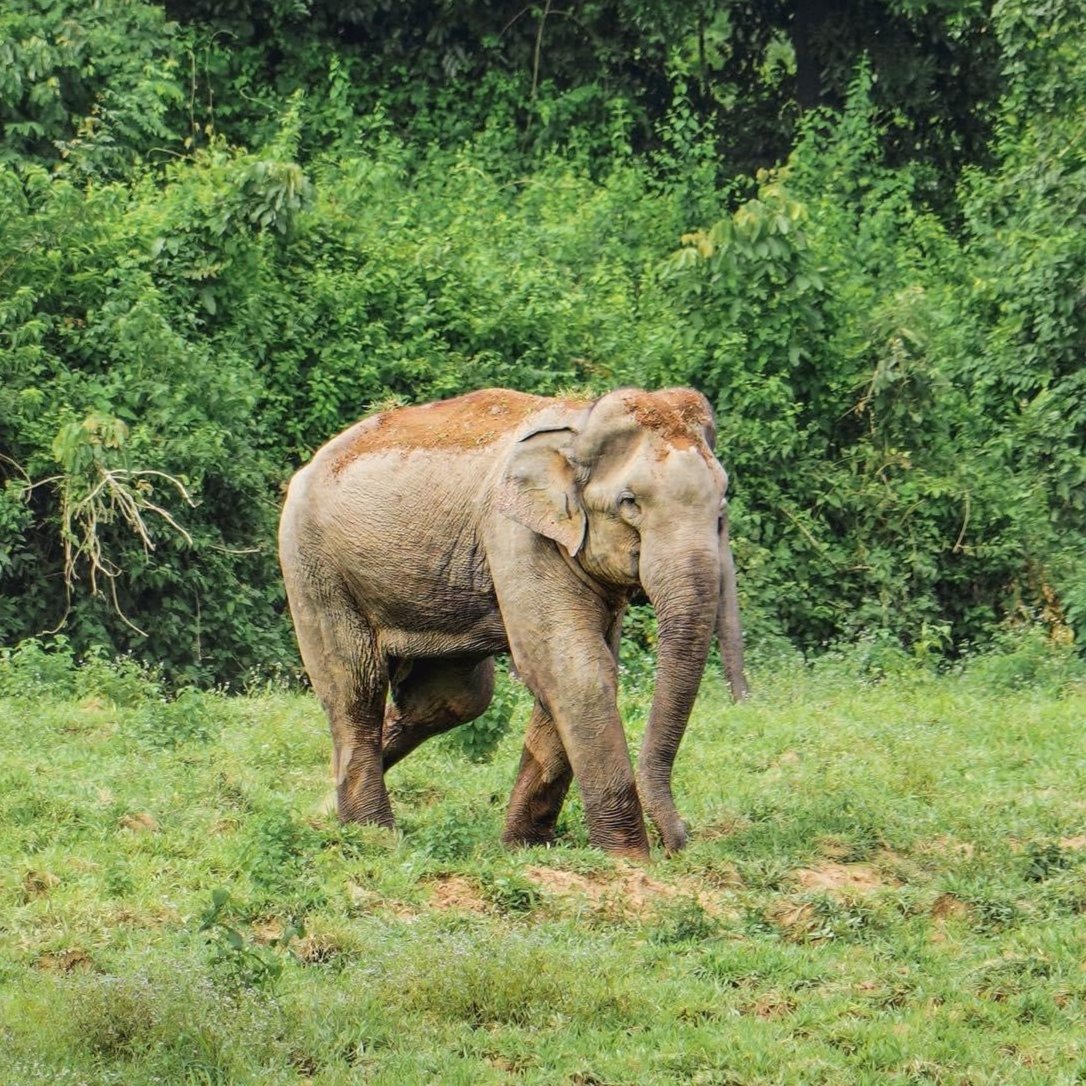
(627, 501)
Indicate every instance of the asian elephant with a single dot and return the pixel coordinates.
(424, 540)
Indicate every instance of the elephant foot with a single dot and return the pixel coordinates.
(366, 814)
(528, 838)
(365, 799)
(536, 802)
(615, 820)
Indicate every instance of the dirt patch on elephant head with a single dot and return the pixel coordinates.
(464, 423)
(679, 416)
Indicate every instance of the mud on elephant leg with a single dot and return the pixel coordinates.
(432, 696)
(541, 787)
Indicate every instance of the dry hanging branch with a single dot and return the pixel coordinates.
(115, 492)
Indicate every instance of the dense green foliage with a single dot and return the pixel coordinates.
(230, 228)
(884, 887)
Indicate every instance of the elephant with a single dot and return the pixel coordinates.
(424, 540)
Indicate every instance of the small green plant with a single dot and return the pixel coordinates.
(113, 1015)
(277, 855)
(36, 669)
(833, 919)
(240, 962)
(511, 893)
(454, 836)
(124, 681)
(1043, 859)
(1024, 657)
(685, 921)
(168, 722)
(995, 912)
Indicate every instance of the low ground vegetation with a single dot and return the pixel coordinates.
(886, 884)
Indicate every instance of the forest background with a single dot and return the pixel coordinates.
(229, 228)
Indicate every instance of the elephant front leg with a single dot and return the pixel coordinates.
(578, 682)
(541, 787)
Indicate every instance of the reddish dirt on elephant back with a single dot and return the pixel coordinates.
(481, 418)
(466, 422)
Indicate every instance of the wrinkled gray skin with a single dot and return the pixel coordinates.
(422, 541)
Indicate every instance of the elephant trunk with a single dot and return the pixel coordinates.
(685, 598)
(728, 630)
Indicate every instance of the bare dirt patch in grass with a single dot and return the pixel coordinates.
(267, 931)
(317, 948)
(945, 847)
(365, 900)
(794, 918)
(727, 826)
(769, 1006)
(455, 892)
(627, 891)
(38, 884)
(64, 961)
(948, 907)
(139, 822)
(842, 880)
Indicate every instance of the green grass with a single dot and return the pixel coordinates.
(886, 884)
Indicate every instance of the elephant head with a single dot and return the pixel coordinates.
(630, 489)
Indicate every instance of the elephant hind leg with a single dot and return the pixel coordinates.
(350, 678)
(432, 696)
(542, 783)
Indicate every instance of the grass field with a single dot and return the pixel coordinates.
(886, 884)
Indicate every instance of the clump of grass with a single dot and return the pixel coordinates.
(146, 1025)
(507, 978)
(681, 922)
(189, 716)
(449, 837)
(510, 892)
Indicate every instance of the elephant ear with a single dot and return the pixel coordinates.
(539, 487)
